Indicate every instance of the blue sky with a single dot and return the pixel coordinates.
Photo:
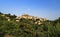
(49, 9)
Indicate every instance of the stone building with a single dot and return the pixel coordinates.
(8, 18)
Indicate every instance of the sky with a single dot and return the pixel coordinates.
(49, 9)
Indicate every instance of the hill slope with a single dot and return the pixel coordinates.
(24, 26)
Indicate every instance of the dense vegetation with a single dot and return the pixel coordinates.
(27, 28)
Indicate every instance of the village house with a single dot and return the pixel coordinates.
(8, 18)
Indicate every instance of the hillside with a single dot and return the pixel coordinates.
(28, 26)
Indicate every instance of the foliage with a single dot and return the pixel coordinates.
(27, 28)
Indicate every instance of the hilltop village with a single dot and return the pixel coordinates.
(37, 20)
